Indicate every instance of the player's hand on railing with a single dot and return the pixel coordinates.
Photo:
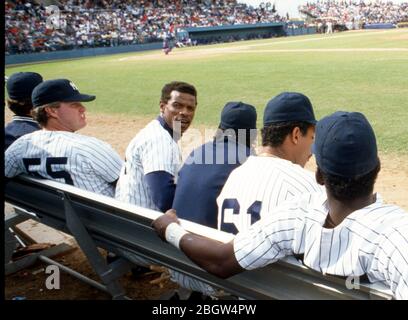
(161, 223)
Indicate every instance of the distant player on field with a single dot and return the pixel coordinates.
(58, 153)
(167, 46)
(347, 232)
(20, 85)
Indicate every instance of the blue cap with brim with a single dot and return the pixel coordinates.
(59, 90)
(345, 145)
(238, 115)
(289, 107)
(20, 85)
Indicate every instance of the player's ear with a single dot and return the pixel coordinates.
(51, 112)
(295, 135)
(162, 104)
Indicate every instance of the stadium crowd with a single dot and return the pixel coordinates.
(355, 14)
(31, 27)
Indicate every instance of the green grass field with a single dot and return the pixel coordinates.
(355, 71)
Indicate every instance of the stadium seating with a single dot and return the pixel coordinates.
(31, 27)
(356, 14)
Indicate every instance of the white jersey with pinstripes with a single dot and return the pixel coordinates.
(251, 191)
(371, 241)
(257, 187)
(82, 161)
(152, 149)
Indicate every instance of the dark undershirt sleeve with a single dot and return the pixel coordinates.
(161, 186)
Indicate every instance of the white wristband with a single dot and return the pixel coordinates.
(174, 233)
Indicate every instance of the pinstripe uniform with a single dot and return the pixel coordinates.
(66, 157)
(153, 149)
(255, 188)
(371, 241)
(262, 182)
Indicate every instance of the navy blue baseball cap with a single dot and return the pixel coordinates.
(238, 115)
(345, 145)
(289, 107)
(20, 85)
(59, 90)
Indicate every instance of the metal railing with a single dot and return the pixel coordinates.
(99, 221)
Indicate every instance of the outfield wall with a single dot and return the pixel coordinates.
(291, 31)
(77, 53)
(206, 35)
(379, 26)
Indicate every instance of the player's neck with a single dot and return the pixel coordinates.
(339, 210)
(55, 126)
(22, 116)
(268, 151)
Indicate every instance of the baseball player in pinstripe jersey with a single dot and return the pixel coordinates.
(273, 176)
(153, 157)
(276, 173)
(347, 232)
(56, 152)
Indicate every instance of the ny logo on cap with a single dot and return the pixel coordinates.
(73, 86)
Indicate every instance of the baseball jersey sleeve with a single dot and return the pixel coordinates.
(106, 162)
(13, 164)
(390, 261)
(160, 155)
(268, 240)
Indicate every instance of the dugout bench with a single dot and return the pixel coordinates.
(98, 221)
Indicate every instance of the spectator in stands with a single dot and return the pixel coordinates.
(355, 13)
